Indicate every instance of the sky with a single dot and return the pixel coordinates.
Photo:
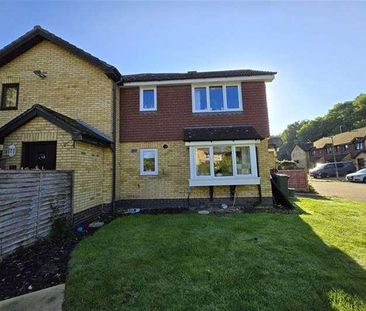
(317, 48)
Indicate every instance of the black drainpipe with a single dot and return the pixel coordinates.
(114, 151)
(258, 173)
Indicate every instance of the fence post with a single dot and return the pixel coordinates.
(39, 202)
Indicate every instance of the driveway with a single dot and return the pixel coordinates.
(340, 189)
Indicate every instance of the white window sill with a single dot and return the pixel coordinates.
(224, 181)
(218, 111)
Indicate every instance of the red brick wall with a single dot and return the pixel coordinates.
(174, 113)
(298, 179)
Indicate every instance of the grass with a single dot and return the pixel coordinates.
(312, 259)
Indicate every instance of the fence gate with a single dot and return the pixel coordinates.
(29, 200)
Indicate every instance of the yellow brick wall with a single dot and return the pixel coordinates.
(172, 180)
(300, 157)
(87, 161)
(73, 87)
(272, 157)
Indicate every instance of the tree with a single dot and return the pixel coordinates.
(341, 117)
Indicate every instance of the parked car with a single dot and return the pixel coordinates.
(329, 169)
(357, 176)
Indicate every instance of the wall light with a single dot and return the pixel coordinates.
(40, 74)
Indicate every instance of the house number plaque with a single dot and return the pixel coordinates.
(12, 150)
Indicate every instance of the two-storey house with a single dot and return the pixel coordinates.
(346, 146)
(190, 137)
(144, 140)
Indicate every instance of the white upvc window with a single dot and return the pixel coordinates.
(223, 163)
(148, 161)
(217, 97)
(148, 98)
(359, 146)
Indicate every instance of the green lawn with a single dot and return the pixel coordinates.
(312, 259)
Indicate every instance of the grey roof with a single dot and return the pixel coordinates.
(220, 133)
(306, 146)
(38, 34)
(145, 77)
(275, 141)
(78, 130)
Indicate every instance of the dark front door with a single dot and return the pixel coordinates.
(39, 154)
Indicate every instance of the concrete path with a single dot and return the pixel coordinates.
(340, 189)
(49, 299)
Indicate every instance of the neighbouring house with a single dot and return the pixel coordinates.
(274, 143)
(140, 140)
(300, 155)
(347, 146)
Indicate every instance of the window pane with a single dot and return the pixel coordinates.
(216, 98)
(243, 160)
(200, 98)
(223, 165)
(203, 162)
(148, 99)
(232, 97)
(149, 161)
(11, 97)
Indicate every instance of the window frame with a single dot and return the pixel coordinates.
(224, 86)
(148, 88)
(6, 86)
(235, 179)
(359, 146)
(156, 171)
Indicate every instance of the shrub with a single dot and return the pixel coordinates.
(61, 229)
(286, 165)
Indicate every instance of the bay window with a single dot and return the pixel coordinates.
(216, 98)
(223, 163)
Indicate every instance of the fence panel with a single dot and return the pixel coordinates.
(29, 200)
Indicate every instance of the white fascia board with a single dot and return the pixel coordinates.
(224, 181)
(264, 78)
(222, 142)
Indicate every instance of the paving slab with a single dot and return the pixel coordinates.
(49, 299)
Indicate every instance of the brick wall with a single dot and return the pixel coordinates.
(77, 89)
(172, 180)
(298, 179)
(73, 87)
(92, 181)
(174, 113)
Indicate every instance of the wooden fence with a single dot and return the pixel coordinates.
(29, 201)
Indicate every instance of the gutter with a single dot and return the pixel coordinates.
(264, 78)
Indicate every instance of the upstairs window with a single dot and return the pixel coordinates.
(345, 147)
(216, 98)
(359, 146)
(9, 97)
(148, 99)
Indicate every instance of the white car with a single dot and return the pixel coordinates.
(357, 176)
